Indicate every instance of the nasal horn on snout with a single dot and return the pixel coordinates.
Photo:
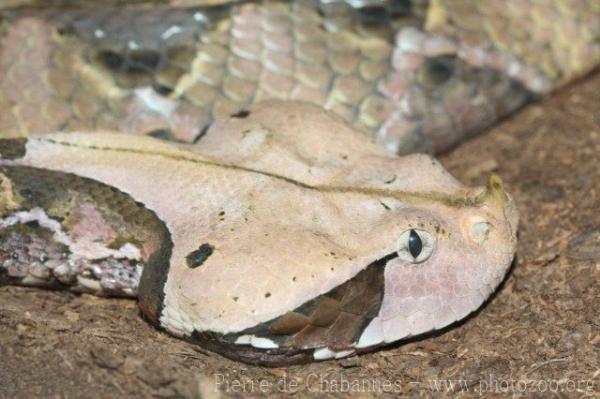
(497, 198)
(495, 191)
(491, 195)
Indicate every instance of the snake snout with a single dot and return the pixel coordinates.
(502, 203)
(499, 214)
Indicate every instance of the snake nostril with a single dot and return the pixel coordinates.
(480, 231)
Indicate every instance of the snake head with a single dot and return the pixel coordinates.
(357, 253)
(447, 267)
(282, 259)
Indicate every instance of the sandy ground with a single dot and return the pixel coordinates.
(540, 334)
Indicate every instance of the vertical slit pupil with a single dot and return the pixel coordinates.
(415, 245)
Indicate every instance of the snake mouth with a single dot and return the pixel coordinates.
(327, 326)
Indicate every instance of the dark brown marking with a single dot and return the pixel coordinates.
(155, 60)
(151, 292)
(12, 148)
(163, 134)
(334, 320)
(326, 312)
(390, 181)
(54, 192)
(345, 331)
(199, 256)
(310, 336)
(241, 114)
(289, 323)
(385, 206)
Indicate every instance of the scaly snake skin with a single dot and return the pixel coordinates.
(276, 243)
(413, 91)
(278, 193)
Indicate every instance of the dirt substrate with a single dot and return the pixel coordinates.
(539, 334)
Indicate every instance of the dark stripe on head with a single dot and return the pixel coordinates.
(12, 148)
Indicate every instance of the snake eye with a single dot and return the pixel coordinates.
(415, 246)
